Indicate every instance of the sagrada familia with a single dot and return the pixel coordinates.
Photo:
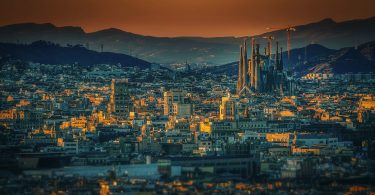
(262, 73)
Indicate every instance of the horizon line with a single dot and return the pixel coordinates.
(180, 36)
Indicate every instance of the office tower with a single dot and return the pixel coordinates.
(175, 104)
(120, 102)
(228, 109)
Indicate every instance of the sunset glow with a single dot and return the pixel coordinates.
(183, 17)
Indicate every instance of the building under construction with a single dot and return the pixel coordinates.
(262, 73)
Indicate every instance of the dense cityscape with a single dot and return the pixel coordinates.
(187, 97)
(108, 128)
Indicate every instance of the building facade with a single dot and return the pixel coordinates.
(120, 102)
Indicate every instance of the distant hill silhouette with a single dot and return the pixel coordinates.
(309, 53)
(51, 53)
(319, 59)
(219, 50)
(352, 60)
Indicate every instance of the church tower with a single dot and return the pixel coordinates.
(253, 66)
(245, 70)
(239, 79)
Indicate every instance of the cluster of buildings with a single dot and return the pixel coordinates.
(89, 128)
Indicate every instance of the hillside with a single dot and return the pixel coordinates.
(316, 58)
(218, 50)
(50, 53)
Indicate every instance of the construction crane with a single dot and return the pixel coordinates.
(288, 30)
(269, 44)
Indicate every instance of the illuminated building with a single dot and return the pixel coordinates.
(228, 108)
(120, 103)
(175, 104)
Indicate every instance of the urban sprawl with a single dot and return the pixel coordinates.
(113, 129)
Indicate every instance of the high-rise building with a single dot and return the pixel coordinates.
(120, 102)
(228, 110)
(175, 103)
(182, 110)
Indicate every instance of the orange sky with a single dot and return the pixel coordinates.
(182, 17)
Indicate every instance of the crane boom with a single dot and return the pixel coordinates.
(288, 30)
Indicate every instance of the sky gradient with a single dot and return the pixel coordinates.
(182, 17)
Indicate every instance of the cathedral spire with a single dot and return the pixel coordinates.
(252, 71)
(277, 56)
(240, 63)
(257, 69)
(245, 78)
(253, 48)
(258, 54)
(281, 60)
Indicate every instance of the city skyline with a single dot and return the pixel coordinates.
(290, 111)
(183, 18)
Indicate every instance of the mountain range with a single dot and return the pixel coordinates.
(315, 58)
(215, 51)
(51, 53)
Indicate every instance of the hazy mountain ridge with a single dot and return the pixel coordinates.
(216, 50)
(316, 58)
(50, 53)
(345, 60)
